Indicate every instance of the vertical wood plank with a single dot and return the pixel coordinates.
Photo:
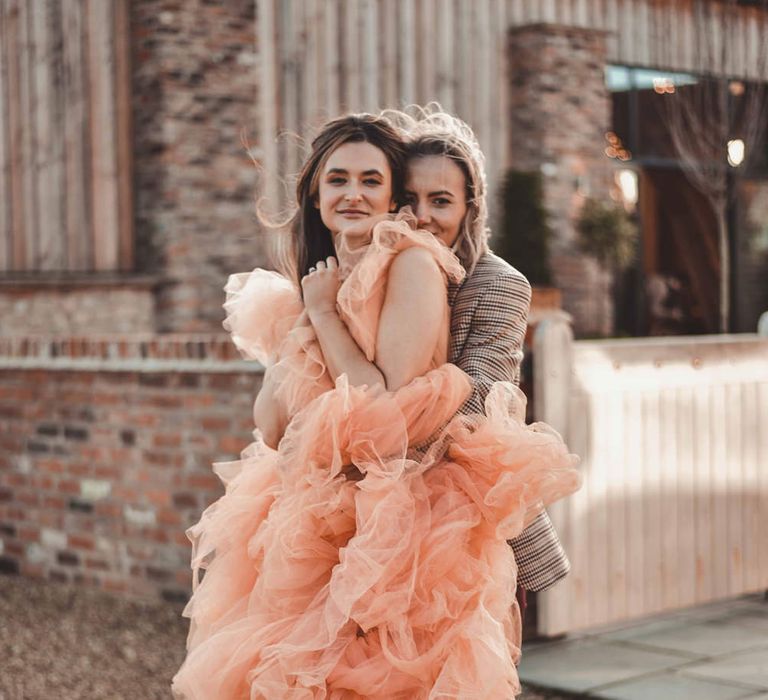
(635, 497)
(6, 230)
(27, 111)
(762, 476)
(11, 47)
(124, 134)
(332, 57)
(408, 55)
(686, 488)
(311, 76)
(616, 476)
(76, 138)
(717, 451)
(101, 69)
(612, 26)
(750, 430)
(671, 515)
(464, 48)
(734, 485)
(443, 38)
(426, 87)
(500, 114)
(654, 503)
(389, 82)
(599, 523)
(369, 40)
(268, 97)
(351, 66)
(484, 48)
(48, 152)
(703, 495)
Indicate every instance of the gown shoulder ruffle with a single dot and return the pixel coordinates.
(399, 585)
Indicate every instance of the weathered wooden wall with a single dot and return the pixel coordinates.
(65, 172)
(322, 57)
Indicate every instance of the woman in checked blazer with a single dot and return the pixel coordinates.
(489, 309)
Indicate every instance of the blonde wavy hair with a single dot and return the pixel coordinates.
(431, 131)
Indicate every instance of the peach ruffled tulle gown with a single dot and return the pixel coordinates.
(397, 586)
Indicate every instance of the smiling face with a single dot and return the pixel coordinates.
(436, 190)
(355, 183)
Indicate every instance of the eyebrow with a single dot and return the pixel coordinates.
(436, 193)
(342, 171)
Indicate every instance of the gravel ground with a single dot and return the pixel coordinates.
(73, 643)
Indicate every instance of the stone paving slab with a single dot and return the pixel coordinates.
(706, 638)
(748, 668)
(717, 651)
(583, 664)
(673, 686)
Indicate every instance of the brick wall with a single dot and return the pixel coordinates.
(106, 448)
(88, 305)
(559, 113)
(195, 82)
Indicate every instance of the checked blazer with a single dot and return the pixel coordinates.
(489, 316)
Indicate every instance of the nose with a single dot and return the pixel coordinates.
(422, 213)
(353, 193)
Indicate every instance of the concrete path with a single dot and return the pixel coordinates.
(714, 652)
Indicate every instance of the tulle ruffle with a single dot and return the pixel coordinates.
(399, 585)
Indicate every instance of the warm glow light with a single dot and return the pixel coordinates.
(663, 85)
(735, 152)
(627, 182)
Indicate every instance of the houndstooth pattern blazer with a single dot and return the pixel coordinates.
(489, 315)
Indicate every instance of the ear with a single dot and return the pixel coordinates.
(316, 202)
(392, 205)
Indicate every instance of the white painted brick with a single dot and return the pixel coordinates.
(37, 554)
(95, 489)
(53, 539)
(139, 516)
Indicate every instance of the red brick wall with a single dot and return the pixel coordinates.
(195, 80)
(560, 110)
(102, 468)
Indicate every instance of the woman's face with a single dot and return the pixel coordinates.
(435, 188)
(355, 183)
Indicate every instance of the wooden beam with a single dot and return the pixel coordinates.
(79, 229)
(101, 69)
(6, 230)
(124, 135)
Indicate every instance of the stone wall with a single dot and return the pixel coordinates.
(559, 114)
(76, 307)
(106, 453)
(194, 99)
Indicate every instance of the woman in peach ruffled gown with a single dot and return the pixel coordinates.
(360, 548)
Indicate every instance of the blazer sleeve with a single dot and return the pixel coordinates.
(493, 352)
(494, 347)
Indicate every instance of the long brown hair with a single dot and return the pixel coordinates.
(310, 239)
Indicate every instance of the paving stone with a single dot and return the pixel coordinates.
(672, 686)
(694, 638)
(583, 664)
(750, 668)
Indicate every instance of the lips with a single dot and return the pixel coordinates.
(350, 212)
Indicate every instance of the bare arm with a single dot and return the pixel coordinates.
(410, 321)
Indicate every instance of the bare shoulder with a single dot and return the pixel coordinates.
(414, 263)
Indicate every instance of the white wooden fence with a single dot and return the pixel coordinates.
(673, 435)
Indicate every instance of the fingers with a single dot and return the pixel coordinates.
(330, 263)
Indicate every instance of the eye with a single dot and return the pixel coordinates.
(372, 181)
(336, 180)
(441, 201)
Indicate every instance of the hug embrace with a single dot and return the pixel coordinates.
(370, 541)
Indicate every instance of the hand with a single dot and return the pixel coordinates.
(320, 287)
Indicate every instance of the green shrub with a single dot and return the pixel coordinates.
(523, 234)
(607, 233)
